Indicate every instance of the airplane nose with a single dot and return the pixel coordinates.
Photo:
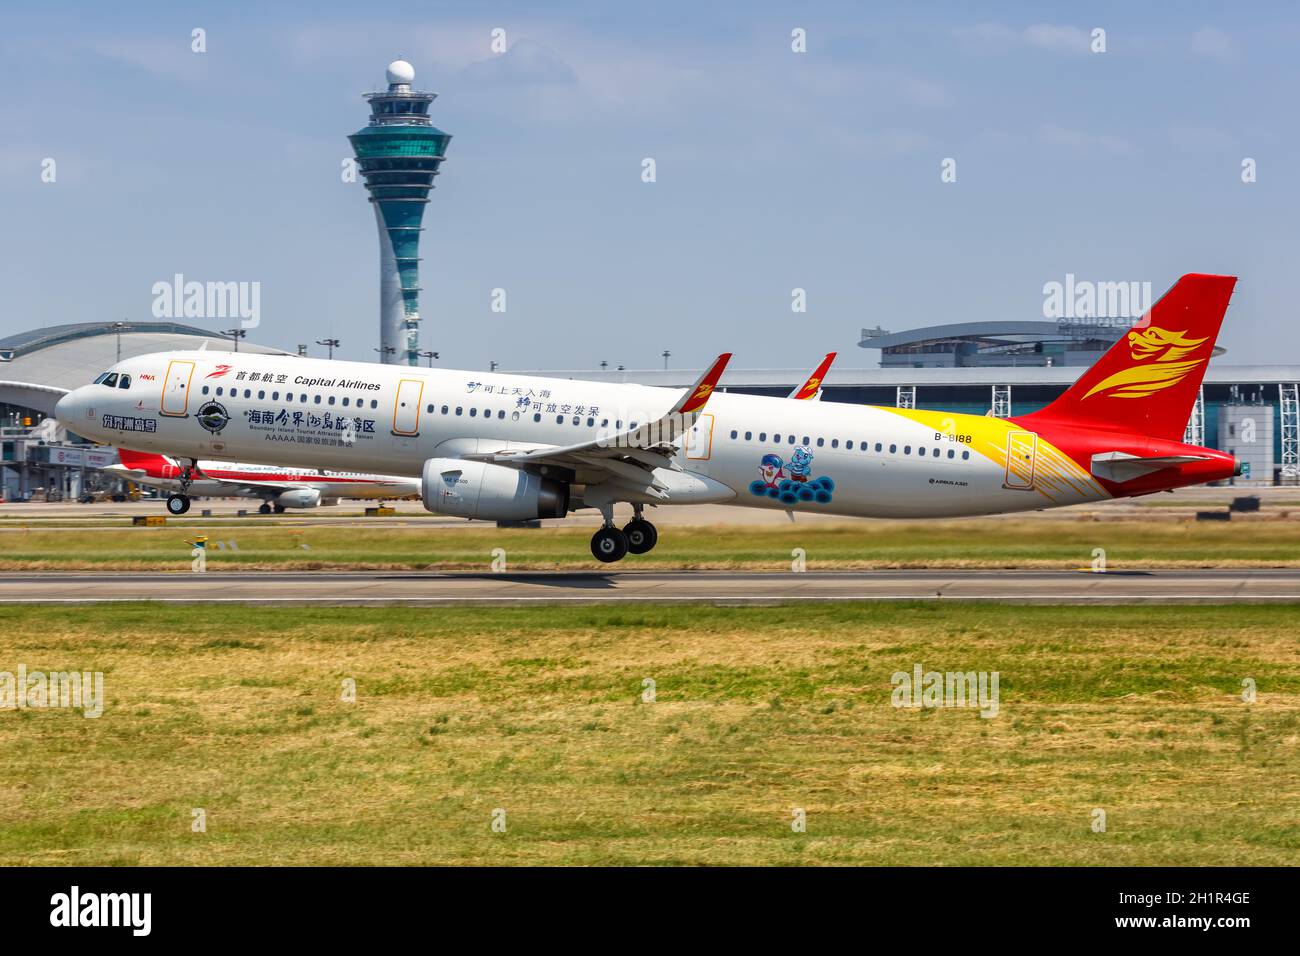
(63, 408)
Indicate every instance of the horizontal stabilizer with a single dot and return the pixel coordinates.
(1120, 466)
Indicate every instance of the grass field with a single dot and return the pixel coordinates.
(1022, 543)
(757, 712)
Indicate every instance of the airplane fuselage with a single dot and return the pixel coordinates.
(751, 451)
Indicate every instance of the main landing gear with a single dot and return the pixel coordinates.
(611, 544)
(179, 502)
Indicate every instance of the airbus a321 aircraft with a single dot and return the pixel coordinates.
(509, 447)
(279, 488)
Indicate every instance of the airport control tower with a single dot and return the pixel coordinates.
(398, 154)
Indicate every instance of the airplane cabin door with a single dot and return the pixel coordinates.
(1022, 452)
(176, 388)
(699, 442)
(406, 408)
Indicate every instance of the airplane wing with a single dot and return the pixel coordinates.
(811, 390)
(627, 457)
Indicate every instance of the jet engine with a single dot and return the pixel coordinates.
(475, 489)
(299, 498)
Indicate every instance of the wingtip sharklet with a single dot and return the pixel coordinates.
(698, 394)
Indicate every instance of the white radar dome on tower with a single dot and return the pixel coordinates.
(400, 73)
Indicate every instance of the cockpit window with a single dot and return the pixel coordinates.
(124, 381)
(102, 376)
(111, 381)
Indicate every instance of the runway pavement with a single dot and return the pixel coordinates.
(705, 587)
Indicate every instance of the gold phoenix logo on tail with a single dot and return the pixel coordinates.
(1167, 348)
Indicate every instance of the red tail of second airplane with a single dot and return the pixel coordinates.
(153, 465)
(1148, 381)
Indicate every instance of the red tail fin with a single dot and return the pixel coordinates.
(1149, 379)
(150, 463)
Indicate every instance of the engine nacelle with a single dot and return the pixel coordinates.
(299, 498)
(476, 489)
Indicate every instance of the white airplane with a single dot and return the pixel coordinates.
(510, 447)
(279, 488)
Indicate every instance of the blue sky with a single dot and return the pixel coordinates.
(775, 170)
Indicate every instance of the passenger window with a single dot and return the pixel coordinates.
(459, 409)
(749, 436)
(374, 403)
(952, 453)
(907, 449)
(821, 442)
(303, 398)
(835, 443)
(791, 438)
(776, 438)
(537, 416)
(429, 410)
(965, 455)
(734, 433)
(921, 452)
(893, 449)
(444, 409)
(260, 394)
(591, 422)
(218, 391)
(473, 413)
(936, 453)
(577, 420)
(501, 414)
(805, 439)
(317, 399)
(205, 390)
(848, 445)
(332, 402)
(878, 446)
(275, 396)
(248, 393)
(345, 403)
(762, 436)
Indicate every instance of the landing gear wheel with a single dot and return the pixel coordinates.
(178, 504)
(265, 509)
(279, 509)
(641, 536)
(609, 545)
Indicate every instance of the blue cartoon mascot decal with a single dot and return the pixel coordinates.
(791, 483)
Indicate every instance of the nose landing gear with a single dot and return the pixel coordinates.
(179, 502)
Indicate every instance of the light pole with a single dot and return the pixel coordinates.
(236, 334)
(430, 356)
(603, 366)
(119, 328)
(386, 350)
(331, 344)
(667, 355)
(492, 366)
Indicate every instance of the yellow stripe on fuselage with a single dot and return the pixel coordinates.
(1057, 477)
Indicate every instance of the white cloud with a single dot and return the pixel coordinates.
(1060, 136)
(1043, 36)
(1214, 44)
